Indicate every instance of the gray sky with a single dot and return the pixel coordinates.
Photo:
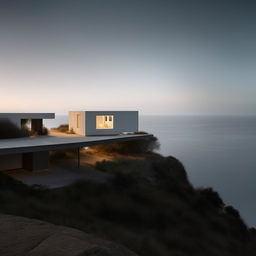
(160, 57)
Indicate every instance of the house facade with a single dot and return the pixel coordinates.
(35, 119)
(96, 123)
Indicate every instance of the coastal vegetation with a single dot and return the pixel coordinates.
(148, 205)
(145, 146)
(10, 130)
(63, 128)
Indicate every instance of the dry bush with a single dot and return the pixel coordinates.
(62, 128)
(139, 146)
(10, 130)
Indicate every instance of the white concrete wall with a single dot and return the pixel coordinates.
(72, 120)
(124, 121)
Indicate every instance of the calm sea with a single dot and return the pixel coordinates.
(218, 152)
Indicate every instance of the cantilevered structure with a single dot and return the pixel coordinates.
(32, 153)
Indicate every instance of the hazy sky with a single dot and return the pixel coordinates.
(159, 57)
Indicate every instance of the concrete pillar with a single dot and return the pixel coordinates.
(78, 158)
(37, 126)
(35, 160)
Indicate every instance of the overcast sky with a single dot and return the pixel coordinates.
(158, 57)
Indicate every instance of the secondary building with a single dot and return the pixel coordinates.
(95, 123)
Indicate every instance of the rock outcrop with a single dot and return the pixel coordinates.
(29, 237)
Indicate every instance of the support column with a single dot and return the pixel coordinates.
(78, 158)
(35, 160)
(37, 126)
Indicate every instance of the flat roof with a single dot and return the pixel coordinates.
(28, 115)
(103, 111)
(45, 143)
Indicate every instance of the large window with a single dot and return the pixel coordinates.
(104, 122)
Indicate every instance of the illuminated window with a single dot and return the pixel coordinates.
(78, 121)
(104, 122)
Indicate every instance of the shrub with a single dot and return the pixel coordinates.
(212, 197)
(62, 128)
(10, 130)
(170, 169)
(122, 181)
(232, 211)
(62, 154)
(139, 146)
(45, 131)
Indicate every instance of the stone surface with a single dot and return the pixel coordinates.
(28, 237)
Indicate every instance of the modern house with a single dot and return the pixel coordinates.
(26, 160)
(31, 153)
(96, 123)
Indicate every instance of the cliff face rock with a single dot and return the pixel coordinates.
(22, 236)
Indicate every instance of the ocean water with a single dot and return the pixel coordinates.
(218, 152)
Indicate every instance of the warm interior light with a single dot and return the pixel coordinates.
(104, 122)
(78, 119)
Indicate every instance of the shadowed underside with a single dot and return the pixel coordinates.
(45, 143)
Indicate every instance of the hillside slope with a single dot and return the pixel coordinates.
(148, 206)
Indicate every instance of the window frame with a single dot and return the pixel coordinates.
(106, 123)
